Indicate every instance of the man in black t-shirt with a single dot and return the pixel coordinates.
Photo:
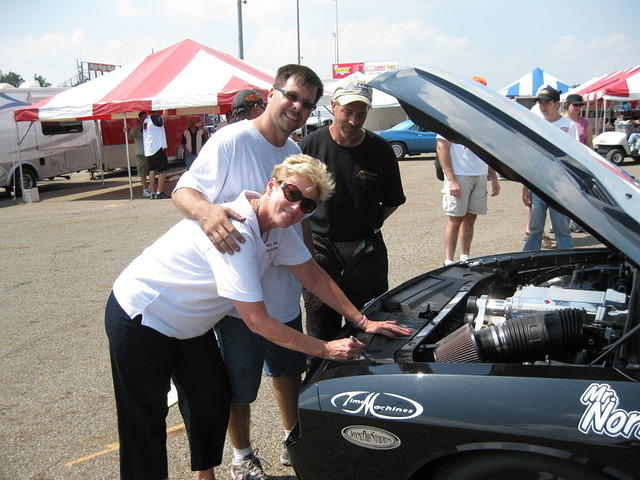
(347, 241)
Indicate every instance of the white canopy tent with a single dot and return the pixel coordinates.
(185, 78)
(385, 109)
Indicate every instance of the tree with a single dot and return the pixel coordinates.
(41, 80)
(11, 78)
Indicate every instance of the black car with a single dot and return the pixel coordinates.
(522, 365)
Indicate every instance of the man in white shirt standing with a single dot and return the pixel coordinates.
(155, 141)
(464, 195)
(241, 156)
(548, 102)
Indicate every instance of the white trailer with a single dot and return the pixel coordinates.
(47, 149)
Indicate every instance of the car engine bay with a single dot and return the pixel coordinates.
(542, 308)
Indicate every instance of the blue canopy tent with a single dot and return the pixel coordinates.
(529, 84)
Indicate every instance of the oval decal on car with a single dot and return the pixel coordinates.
(370, 437)
(377, 404)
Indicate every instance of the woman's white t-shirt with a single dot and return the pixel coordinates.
(182, 286)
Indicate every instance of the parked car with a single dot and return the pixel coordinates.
(521, 365)
(617, 145)
(407, 138)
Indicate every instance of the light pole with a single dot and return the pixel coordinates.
(298, 20)
(240, 47)
(336, 34)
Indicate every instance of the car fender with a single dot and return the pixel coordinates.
(504, 448)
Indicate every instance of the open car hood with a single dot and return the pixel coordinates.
(523, 147)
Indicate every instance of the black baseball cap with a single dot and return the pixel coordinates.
(245, 100)
(549, 93)
(574, 99)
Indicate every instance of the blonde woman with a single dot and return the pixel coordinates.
(160, 317)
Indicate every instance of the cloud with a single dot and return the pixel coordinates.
(580, 59)
(410, 42)
(199, 11)
(52, 53)
(125, 8)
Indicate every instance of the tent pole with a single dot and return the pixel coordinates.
(98, 128)
(604, 114)
(126, 147)
(15, 184)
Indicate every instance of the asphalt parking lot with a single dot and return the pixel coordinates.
(60, 257)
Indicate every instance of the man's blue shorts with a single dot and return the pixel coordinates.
(246, 354)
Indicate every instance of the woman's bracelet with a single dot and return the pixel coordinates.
(362, 321)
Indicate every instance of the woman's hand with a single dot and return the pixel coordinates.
(388, 328)
(344, 349)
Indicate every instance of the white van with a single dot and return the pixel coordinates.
(48, 149)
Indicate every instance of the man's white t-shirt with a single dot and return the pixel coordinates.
(182, 286)
(464, 161)
(563, 123)
(154, 137)
(236, 158)
(567, 126)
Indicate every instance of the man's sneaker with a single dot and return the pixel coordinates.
(160, 195)
(285, 459)
(146, 193)
(249, 469)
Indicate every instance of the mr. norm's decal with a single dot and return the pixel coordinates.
(602, 415)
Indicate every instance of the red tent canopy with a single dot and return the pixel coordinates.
(621, 85)
(187, 77)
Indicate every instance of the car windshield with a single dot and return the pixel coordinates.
(403, 125)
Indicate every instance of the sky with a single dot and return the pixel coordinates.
(574, 40)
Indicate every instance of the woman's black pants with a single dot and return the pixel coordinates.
(143, 361)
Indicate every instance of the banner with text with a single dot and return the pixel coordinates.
(370, 69)
(341, 70)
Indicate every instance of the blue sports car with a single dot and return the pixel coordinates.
(407, 138)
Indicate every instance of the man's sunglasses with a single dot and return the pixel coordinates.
(293, 195)
(295, 98)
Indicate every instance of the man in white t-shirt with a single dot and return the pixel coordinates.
(464, 195)
(241, 156)
(155, 141)
(548, 101)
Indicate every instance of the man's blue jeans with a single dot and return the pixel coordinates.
(559, 222)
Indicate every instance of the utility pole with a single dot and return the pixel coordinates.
(240, 47)
(336, 34)
(298, 20)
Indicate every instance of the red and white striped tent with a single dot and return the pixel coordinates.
(622, 85)
(185, 78)
(618, 86)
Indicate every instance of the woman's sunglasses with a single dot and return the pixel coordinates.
(293, 195)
